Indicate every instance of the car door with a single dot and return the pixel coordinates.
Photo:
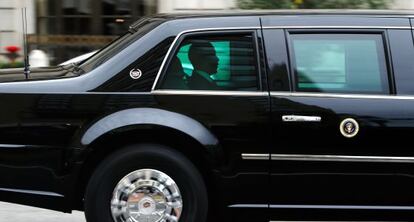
(341, 135)
(214, 77)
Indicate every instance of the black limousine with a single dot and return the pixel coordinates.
(262, 116)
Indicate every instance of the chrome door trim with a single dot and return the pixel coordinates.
(321, 158)
(342, 158)
(12, 146)
(170, 49)
(300, 206)
(209, 93)
(255, 156)
(346, 207)
(248, 206)
(342, 96)
(296, 118)
(336, 27)
(34, 192)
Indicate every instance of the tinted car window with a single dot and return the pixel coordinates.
(225, 62)
(336, 63)
(148, 64)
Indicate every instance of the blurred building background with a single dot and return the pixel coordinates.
(403, 4)
(67, 28)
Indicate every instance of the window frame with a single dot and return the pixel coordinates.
(181, 38)
(389, 75)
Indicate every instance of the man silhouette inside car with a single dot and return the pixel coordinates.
(203, 57)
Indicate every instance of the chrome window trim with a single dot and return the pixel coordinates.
(337, 27)
(337, 95)
(273, 94)
(190, 31)
(209, 93)
(321, 158)
(80, 93)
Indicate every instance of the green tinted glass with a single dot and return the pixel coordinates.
(339, 63)
(222, 62)
(223, 53)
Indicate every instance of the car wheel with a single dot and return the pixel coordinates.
(146, 183)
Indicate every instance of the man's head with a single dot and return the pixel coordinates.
(203, 57)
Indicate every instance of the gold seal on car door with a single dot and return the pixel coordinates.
(349, 127)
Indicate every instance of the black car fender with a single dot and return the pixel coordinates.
(149, 116)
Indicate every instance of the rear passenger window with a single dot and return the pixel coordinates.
(339, 63)
(216, 62)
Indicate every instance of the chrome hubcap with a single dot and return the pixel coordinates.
(146, 196)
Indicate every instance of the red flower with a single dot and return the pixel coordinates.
(12, 48)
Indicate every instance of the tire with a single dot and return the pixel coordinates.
(156, 159)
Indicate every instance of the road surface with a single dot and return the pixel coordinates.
(19, 213)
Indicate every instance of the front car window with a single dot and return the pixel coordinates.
(340, 63)
(214, 62)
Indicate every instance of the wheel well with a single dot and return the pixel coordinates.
(111, 142)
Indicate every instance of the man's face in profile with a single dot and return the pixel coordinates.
(211, 60)
(204, 57)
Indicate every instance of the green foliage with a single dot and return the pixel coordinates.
(314, 4)
(265, 4)
(364, 4)
(11, 65)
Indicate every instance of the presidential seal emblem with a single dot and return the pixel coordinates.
(349, 127)
(135, 73)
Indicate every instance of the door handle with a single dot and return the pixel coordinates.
(295, 118)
